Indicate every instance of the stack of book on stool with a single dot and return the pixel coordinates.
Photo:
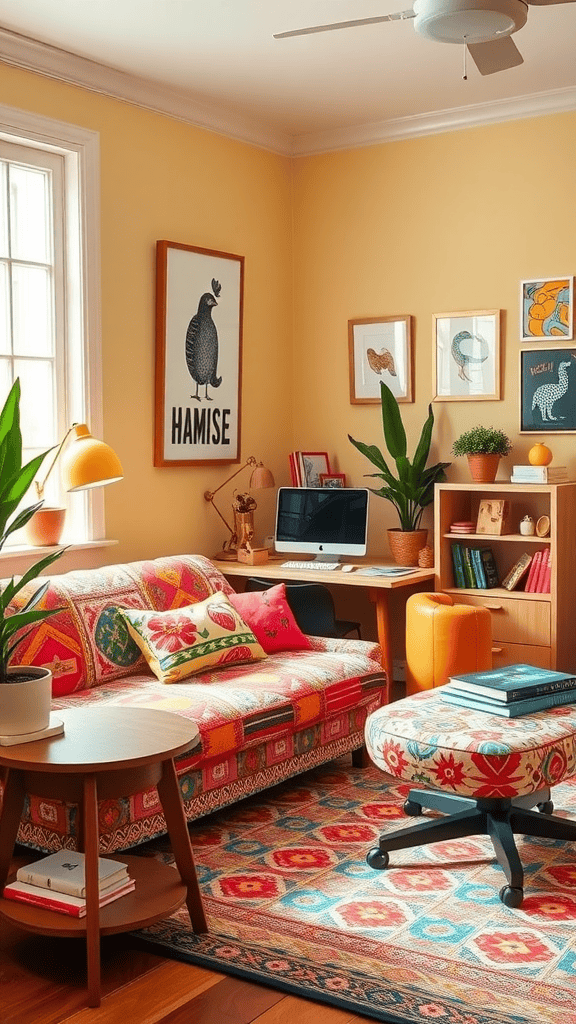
(57, 882)
(511, 691)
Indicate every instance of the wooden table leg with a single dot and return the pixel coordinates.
(91, 843)
(380, 598)
(12, 807)
(171, 800)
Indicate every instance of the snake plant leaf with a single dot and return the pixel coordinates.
(423, 450)
(372, 453)
(394, 433)
(10, 436)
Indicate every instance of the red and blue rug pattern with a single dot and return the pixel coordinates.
(292, 903)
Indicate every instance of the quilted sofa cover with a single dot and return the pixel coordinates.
(259, 723)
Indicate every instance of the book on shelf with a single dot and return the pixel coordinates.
(539, 474)
(478, 568)
(64, 871)
(62, 902)
(512, 682)
(469, 569)
(513, 709)
(490, 568)
(533, 571)
(457, 565)
(517, 572)
(542, 571)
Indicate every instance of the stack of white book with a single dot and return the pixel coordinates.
(539, 474)
(58, 882)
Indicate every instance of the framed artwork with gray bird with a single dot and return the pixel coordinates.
(199, 305)
(466, 360)
(548, 391)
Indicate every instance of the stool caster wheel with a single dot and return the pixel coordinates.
(546, 808)
(511, 897)
(377, 858)
(412, 808)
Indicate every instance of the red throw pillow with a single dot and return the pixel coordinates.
(268, 614)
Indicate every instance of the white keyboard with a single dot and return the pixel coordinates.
(310, 565)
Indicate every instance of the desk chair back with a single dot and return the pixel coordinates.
(312, 606)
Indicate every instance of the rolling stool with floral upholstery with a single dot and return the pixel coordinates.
(487, 772)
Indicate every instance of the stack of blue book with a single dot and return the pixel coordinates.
(511, 691)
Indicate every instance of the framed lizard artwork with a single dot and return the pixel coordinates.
(466, 354)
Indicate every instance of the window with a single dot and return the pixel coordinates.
(49, 293)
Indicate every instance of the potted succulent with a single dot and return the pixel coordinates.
(484, 447)
(25, 691)
(413, 487)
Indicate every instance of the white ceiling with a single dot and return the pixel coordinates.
(218, 62)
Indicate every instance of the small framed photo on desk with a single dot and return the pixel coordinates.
(332, 480)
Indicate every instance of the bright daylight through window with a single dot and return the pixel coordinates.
(49, 295)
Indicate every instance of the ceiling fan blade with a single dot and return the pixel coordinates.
(547, 3)
(496, 55)
(398, 16)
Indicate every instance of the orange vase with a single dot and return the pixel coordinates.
(45, 527)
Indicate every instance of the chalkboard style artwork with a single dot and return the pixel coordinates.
(548, 391)
(199, 295)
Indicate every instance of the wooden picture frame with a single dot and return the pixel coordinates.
(547, 310)
(548, 391)
(332, 480)
(199, 307)
(313, 464)
(380, 348)
(466, 354)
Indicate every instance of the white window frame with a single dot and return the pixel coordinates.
(80, 150)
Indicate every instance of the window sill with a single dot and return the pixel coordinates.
(15, 561)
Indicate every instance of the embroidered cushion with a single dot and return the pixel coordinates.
(269, 616)
(184, 641)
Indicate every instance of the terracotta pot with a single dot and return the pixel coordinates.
(45, 527)
(25, 704)
(405, 545)
(483, 468)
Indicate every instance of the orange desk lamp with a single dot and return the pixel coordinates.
(86, 463)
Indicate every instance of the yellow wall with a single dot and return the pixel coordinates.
(443, 223)
(438, 224)
(164, 179)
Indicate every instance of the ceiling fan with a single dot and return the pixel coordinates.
(483, 26)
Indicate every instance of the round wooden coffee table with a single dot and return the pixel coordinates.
(105, 752)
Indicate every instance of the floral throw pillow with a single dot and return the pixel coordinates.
(184, 641)
(269, 615)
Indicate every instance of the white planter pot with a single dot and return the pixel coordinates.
(25, 705)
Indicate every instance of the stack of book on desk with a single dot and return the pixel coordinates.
(511, 691)
(57, 882)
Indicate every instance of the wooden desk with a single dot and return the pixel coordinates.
(378, 588)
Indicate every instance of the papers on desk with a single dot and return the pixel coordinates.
(387, 570)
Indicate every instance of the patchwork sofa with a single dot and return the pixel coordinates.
(260, 721)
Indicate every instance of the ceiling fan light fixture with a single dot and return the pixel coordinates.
(458, 21)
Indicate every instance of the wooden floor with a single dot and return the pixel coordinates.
(42, 982)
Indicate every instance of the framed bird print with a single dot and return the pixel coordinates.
(199, 301)
(548, 391)
(466, 348)
(380, 348)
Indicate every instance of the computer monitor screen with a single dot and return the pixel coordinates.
(323, 521)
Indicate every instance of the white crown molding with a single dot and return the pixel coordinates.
(557, 101)
(32, 55)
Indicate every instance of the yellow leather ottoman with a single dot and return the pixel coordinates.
(443, 638)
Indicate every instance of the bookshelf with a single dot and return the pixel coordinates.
(534, 628)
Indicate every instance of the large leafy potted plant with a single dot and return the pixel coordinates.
(25, 691)
(412, 489)
(484, 447)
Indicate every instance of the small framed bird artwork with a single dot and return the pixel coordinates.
(380, 348)
(466, 356)
(199, 305)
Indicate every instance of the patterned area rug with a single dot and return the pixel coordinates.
(292, 903)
